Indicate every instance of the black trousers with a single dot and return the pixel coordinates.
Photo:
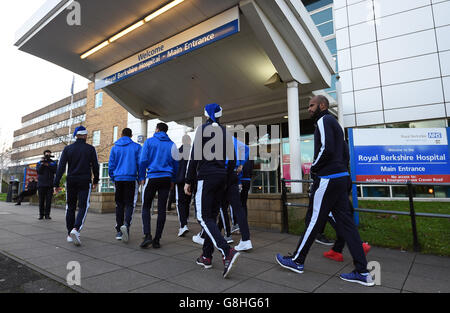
(24, 194)
(339, 244)
(183, 202)
(153, 185)
(330, 195)
(208, 197)
(77, 193)
(224, 218)
(234, 198)
(244, 195)
(45, 200)
(125, 197)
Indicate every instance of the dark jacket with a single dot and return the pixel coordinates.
(330, 153)
(182, 164)
(247, 170)
(46, 170)
(82, 161)
(203, 162)
(32, 186)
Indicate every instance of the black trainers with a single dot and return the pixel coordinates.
(40, 217)
(229, 261)
(205, 262)
(156, 244)
(147, 241)
(324, 240)
(47, 217)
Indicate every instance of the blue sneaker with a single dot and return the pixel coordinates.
(360, 278)
(287, 262)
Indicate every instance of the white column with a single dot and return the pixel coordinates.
(144, 129)
(294, 135)
(339, 102)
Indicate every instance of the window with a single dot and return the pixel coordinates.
(96, 138)
(98, 99)
(105, 182)
(115, 133)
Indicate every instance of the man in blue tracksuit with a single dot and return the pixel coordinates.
(123, 170)
(46, 169)
(329, 193)
(157, 162)
(213, 145)
(82, 162)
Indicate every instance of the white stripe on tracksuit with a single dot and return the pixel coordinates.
(142, 195)
(318, 198)
(322, 140)
(87, 206)
(198, 203)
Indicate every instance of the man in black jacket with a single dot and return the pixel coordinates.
(329, 194)
(213, 145)
(183, 201)
(30, 190)
(46, 169)
(82, 164)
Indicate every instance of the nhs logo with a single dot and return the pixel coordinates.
(435, 135)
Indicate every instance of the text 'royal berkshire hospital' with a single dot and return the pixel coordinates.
(262, 61)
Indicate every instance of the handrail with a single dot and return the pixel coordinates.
(411, 212)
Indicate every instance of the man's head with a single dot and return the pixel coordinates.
(47, 154)
(80, 132)
(126, 132)
(186, 140)
(318, 104)
(213, 111)
(161, 127)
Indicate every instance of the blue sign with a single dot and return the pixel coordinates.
(160, 58)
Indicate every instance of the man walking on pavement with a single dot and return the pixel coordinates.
(46, 169)
(82, 162)
(160, 167)
(123, 169)
(329, 193)
(183, 201)
(212, 147)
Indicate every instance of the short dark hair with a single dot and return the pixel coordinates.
(323, 100)
(127, 132)
(162, 127)
(47, 151)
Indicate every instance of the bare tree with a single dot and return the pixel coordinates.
(5, 160)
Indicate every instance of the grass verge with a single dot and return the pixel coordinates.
(394, 231)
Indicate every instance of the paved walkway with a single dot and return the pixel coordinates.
(108, 265)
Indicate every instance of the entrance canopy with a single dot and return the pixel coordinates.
(239, 54)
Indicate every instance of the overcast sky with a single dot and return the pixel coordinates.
(27, 83)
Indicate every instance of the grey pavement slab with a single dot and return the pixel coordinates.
(109, 265)
(122, 280)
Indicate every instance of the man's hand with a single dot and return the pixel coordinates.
(56, 190)
(187, 189)
(142, 182)
(94, 186)
(172, 185)
(239, 169)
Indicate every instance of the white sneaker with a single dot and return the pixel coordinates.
(198, 239)
(75, 235)
(244, 246)
(69, 239)
(229, 239)
(183, 230)
(125, 234)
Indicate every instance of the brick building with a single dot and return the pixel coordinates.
(105, 120)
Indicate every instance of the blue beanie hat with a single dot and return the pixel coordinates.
(213, 111)
(80, 130)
